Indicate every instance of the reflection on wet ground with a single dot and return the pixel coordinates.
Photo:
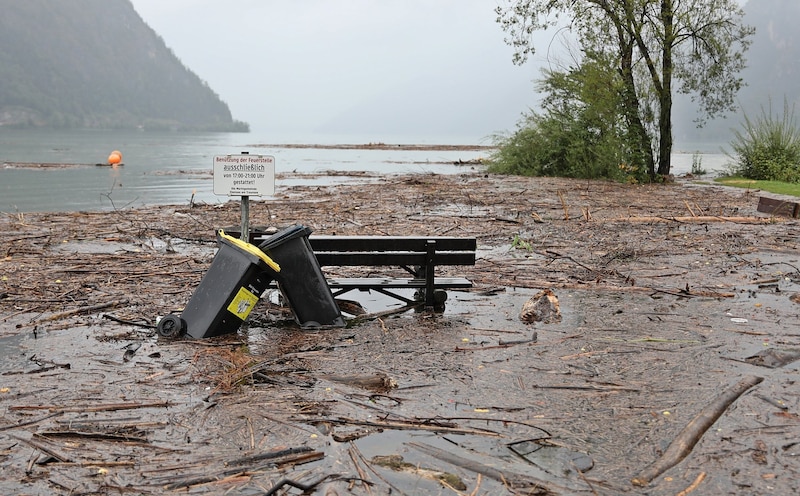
(477, 391)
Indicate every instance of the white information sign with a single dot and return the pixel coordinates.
(244, 175)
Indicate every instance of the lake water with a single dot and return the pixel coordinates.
(170, 168)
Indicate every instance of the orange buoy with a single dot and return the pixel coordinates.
(115, 157)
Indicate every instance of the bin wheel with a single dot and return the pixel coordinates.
(171, 326)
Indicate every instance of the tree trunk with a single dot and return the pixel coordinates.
(639, 138)
(665, 96)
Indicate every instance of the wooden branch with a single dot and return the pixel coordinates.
(30, 422)
(375, 382)
(128, 322)
(554, 256)
(503, 344)
(279, 463)
(532, 485)
(97, 463)
(306, 488)
(385, 313)
(696, 219)
(41, 447)
(564, 205)
(100, 436)
(694, 485)
(270, 455)
(92, 408)
(74, 311)
(694, 430)
(421, 425)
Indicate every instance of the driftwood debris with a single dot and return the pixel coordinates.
(542, 307)
(694, 430)
(694, 485)
(619, 280)
(378, 382)
(43, 448)
(75, 311)
(698, 219)
(299, 485)
(92, 408)
(414, 425)
(279, 459)
(531, 485)
(398, 464)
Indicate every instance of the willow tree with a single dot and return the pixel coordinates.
(694, 46)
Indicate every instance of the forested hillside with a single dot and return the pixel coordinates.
(774, 57)
(773, 67)
(96, 64)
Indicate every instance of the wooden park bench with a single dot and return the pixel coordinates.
(419, 256)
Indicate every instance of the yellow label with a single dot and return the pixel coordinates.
(242, 303)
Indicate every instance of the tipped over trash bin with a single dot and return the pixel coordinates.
(301, 280)
(238, 276)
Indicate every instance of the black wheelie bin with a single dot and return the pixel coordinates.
(238, 276)
(300, 279)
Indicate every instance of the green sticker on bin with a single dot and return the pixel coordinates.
(242, 303)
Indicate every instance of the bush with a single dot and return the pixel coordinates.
(551, 146)
(768, 148)
(523, 153)
(580, 133)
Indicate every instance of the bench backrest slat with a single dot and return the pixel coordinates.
(389, 243)
(392, 258)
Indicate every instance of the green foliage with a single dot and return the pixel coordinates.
(580, 133)
(697, 165)
(524, 153)
(517, 243)
(777, 187)
(549, 146)
(768, 148)
(96, 64)
(694, 47)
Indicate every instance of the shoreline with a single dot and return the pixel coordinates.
(379, 146)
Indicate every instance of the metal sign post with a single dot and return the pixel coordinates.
(245, 235)
(244, 175)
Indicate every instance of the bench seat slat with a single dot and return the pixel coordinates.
(386, 282)
(393, 283)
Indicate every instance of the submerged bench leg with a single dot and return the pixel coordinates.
(430, 246)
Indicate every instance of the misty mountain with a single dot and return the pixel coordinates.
(96, 64)
(773, 66)
(774, 57)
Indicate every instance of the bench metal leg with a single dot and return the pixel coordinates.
(395, 296)
(430, 262)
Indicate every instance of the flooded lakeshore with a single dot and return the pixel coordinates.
(43, 171)
(48, 171)
(659, 317)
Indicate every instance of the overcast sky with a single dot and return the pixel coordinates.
(364, 68)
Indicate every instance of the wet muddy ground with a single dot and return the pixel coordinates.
(670, 295)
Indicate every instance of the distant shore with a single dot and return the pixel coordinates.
(365, 146)
(379, 146)
(53, 165)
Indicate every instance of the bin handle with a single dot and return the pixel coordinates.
(251, 248)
